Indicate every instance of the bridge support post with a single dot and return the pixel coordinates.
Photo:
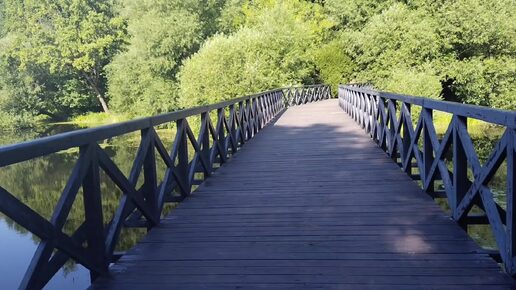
(93, 213)
(150, 174)
(460, 171)
(182, 155)
(221, 136)
(428, 150)
(510, 265)
(406, 137)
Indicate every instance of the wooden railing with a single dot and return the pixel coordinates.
(93, 243)
(307, 94)
(424, 155)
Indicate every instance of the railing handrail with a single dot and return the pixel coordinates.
(62, 141)
(19, 152)
(490, 115)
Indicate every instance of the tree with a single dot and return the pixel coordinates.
(479, 44)
(334, 64)
(274, 49)
(398, 37)
(70, 40)
(485, 81)
(142, 79)
(470, 28)
(354, 14)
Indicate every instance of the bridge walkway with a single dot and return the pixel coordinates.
(309, 203)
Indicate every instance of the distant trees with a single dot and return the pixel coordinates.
(54, 52)
(468, 45)
(142, 79)
(59, 58)
(273, 48)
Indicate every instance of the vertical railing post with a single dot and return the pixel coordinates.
(221, 134)
(406, 137)
(204, 140)
(256, 115)
(232, 127)
(392, 129)
(355, 106)
(182, 155)
(510, 262)
(428, 151)
(241, 122)
(370, 114)
(274, 102)
(270, 107)
(248, 124)
(383, 123)
(362, 110)
(376, 116)
(93, 213)
(260, 111)
(150, 174)
(349, 102)
(460, 167)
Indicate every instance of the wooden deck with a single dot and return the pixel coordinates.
(309, 203)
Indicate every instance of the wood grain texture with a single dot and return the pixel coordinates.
(309, 203)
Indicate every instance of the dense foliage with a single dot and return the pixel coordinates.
(62, 58)
(272, 49)
(53, 54)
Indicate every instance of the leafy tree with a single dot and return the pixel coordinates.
(485, 81)
(398, 37)
(470, 28)
(335, 66)
(142, 80)
(479, 44)
(416, 81)
(64, 45)
(354, 14)
(274, 49)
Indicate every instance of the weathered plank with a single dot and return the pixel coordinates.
(310, 203)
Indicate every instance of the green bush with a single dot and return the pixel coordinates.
(275, 51)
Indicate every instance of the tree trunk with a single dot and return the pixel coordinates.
(103, 103)
(93, 83)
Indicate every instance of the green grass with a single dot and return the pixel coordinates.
(476, 128)
(96, 119)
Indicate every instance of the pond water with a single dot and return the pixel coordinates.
(39, 183)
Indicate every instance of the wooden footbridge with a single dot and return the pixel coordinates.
(287, 189)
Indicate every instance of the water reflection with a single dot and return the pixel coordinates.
(16, 251)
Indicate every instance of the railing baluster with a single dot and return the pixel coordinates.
(407, 121)
(182, 155)
(221, 135)
(150, 185)
(93, 213)
(510, 227)
(428, 150)
(204, 140)
(460, 169)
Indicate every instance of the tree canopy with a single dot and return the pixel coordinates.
(62, 58)
(62, 46)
